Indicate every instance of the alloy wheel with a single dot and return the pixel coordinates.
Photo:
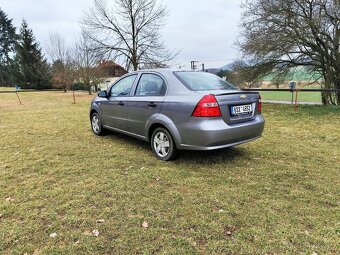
(161, 144)
(95, 123)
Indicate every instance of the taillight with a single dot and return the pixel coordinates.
(259, 106)
(207, 107)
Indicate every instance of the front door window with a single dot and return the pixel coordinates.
(123, 87)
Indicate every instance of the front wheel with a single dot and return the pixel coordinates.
(163, 145)
(96, 124)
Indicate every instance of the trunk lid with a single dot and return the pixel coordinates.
(246, 103)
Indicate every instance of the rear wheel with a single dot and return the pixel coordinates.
(163, 145)
(96, 124)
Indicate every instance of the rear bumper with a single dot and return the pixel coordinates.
(212, 134)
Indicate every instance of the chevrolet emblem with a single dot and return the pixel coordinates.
(243, 96)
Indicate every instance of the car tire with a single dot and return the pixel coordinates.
(96, 124)
(163, 145)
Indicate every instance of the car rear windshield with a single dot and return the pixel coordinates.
(197, 81)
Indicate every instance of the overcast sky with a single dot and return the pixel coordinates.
(205, 30)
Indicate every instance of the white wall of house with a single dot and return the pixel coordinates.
(107, 82)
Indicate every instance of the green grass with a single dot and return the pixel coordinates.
(296, 74)
(287, 96)
(7, 89)
(278, 195)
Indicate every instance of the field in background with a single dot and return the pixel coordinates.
(278, 195)
(287, 96)
(266, 95)
(42, 99)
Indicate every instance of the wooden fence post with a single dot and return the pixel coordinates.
(18, 97)
(74, 98)
(296, 98)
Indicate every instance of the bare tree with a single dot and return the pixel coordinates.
(56, 47)
(62, 62)
(244, 74)
(281, 34)
(129, 32)
(87, 61)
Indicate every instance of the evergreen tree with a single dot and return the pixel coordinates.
(34, 71)
(8, 39)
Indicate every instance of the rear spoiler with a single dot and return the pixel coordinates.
(237, 92)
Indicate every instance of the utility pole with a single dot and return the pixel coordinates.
(203, 69)
(193, 65)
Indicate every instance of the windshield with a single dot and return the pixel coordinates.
(197, 81)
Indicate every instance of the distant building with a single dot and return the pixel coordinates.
(110, 72)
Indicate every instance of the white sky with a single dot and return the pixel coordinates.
(205, 30)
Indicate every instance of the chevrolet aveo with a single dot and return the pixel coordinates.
(178, 110)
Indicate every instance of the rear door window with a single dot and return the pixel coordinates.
(198, 81)
(150, 85)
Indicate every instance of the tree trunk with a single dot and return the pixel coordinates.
(326, 96)
(88, 85)
(134, 63)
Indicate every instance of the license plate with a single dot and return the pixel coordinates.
(241, 109)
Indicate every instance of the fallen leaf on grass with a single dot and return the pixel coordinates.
(221, 211)
(145, 224)
(94, 232)
(142, 168)
(9, 199)
(228, 231)
(100, 221)
(53, 235)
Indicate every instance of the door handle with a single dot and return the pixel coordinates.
(152, 104)
(120, 103)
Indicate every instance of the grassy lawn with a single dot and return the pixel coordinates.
(278, 195)
(7, 89)
(287, 96)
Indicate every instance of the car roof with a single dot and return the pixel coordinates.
(165, 71)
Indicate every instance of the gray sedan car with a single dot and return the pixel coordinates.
(178, 110)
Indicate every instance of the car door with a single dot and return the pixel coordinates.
(114, 108)
(146, 102)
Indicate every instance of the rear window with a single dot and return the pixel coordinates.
(197, 81)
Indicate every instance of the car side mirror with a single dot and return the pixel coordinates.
(102, 93)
